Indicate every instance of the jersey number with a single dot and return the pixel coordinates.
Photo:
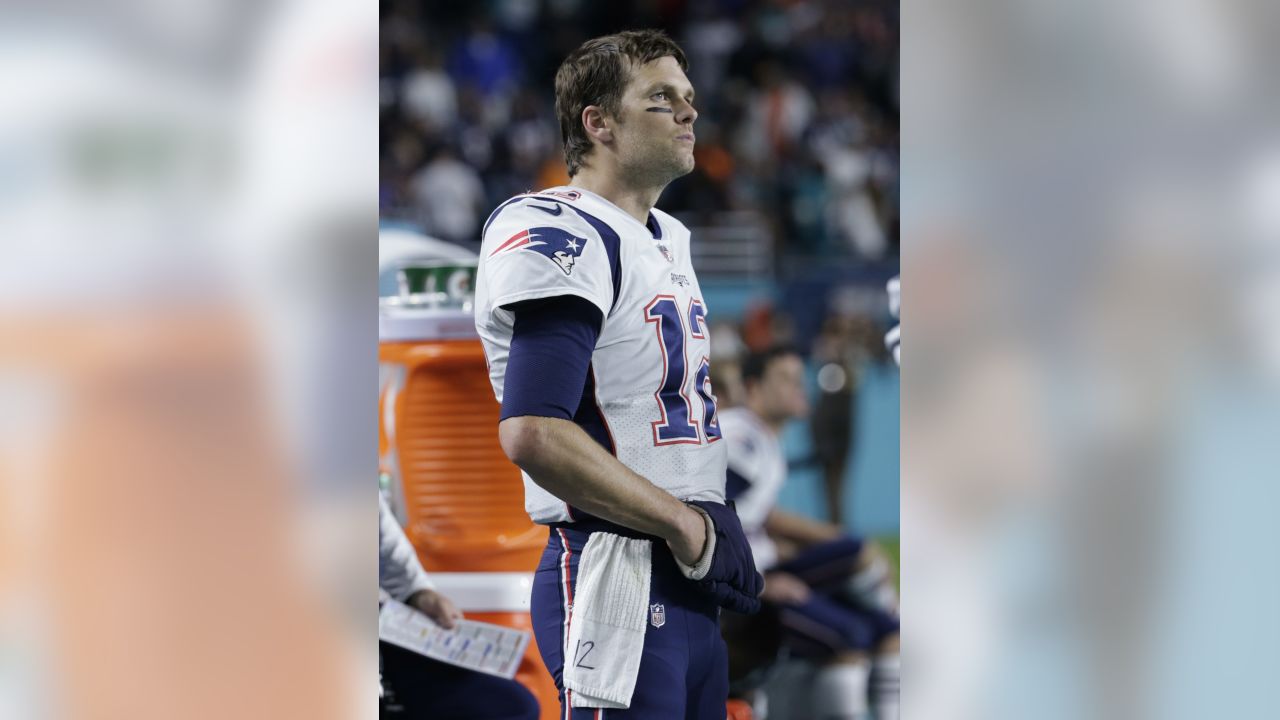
(678, 423)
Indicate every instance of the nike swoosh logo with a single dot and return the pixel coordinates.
(553, 210)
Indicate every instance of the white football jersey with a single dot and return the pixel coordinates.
(649, 375)
(757, 470)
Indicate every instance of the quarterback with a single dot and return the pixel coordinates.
(595, 332)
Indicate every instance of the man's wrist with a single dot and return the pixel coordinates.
(675, 526)
(704, 550)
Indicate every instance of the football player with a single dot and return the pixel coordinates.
(595, 330)
(831, 592)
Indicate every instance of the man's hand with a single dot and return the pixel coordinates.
(783, 588)
(691, 537)
(731, 576)
(437, 607)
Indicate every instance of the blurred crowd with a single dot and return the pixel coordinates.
(798, 103)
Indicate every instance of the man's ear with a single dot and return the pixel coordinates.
(596, 124)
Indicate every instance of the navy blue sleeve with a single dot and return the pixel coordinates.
(551, 348)
(735, 484)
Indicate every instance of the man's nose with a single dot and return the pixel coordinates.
(685, 114)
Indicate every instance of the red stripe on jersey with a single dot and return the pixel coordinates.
(522, 235)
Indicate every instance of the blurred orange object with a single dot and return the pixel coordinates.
(463, 500)
(715, 162)
(552, 172)
(738, 710)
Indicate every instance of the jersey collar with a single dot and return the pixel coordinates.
(652, 227)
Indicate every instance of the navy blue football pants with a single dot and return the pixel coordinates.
(828, 623)
(684, 672)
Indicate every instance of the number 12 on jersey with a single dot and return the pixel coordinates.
(678, 423)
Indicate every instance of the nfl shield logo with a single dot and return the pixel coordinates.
(657, 615)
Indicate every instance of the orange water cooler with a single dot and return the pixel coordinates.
(460, 499)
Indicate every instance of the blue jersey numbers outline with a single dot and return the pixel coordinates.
(702, 378)
(677, 424)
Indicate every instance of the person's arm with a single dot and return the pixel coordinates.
(399, 572)
(551, 346)
(783, 588)
(402, 576)
(872, 580)
(567, 463)
(799, 529)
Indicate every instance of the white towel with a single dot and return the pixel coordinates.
(607, 624)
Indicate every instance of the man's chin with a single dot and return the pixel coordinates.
(663, 175)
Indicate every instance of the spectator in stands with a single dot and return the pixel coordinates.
(483, 59)
(429, 94)
(778, 111)
(452, 197)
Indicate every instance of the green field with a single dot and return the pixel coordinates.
(892, 548)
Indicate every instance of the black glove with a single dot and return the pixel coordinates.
(731, 578)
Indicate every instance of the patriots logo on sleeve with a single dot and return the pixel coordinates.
(556, 245)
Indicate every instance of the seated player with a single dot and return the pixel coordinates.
(831, 592)
(417, 686)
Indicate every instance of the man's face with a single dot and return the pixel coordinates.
(782, 390)
(654, 133)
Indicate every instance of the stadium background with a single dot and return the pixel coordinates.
(793, 203)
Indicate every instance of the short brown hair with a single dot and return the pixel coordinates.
(596, 74)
